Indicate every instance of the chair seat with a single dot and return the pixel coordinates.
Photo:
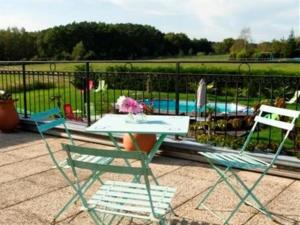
(131, 199)
(93, 159)
(236, 160)
(87, 158)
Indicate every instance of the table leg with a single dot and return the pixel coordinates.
(156, 147)
(136, 179)
(152, 152)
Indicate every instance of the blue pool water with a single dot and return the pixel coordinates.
(190, 106)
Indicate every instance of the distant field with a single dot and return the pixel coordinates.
(256, 68)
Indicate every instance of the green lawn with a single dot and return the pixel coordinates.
(256, 68)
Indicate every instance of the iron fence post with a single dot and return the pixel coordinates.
(177, 88)
(177, 92)
(24, 90)
(87, 87)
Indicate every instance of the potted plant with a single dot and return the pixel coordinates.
(8, 115)
(135, 109)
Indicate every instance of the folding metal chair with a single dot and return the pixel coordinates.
(245, 161)
(121, 199)
(69, 114)
(51, 119)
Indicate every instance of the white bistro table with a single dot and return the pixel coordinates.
(152, 124)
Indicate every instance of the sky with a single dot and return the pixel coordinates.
(211, 19)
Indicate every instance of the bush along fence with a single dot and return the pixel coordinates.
(232, 100)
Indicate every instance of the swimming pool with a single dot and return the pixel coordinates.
(190, 106)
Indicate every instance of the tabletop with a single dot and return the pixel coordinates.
(156, 124)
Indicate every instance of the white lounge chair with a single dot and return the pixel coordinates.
(294, 98)
(102, 86)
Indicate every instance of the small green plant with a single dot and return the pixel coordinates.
(221, 140)
(236, 123)
(297, 154)
(248, 122)
(222, 124)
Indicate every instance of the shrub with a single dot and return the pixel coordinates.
(188, 84)
(5, 95)
(80, 77)
(35, 85)
(221, 140)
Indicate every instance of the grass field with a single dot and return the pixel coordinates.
(256, 68)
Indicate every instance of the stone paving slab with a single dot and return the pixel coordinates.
(41, 208)
(18, 140)
(32, 191)
(24, 168)
(286, 206)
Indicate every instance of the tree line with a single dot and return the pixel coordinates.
(91, 40)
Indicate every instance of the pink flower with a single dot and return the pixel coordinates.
(129, 105)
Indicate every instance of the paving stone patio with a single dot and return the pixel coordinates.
(31, 190)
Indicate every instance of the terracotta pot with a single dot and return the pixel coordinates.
(8, 115)
(145, 142)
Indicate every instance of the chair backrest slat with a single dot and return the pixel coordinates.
(49, 125)
(274, 123)
(138, 155)
(280, 111)
(50, 119)
(113, 154)
(109, 168)
(44, 115)
(260, 119)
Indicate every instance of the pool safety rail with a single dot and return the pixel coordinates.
(85, 96)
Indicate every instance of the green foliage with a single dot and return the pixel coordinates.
(79, 80)
(17, 44)
(176, 43)
(91, 40)
(180, 44)
(103, 41)
(79, 51)
(222, 124)
(5, 96)
(221, 140)
(203, 69)
(35, 85)
(237, 46)
(243, 54)
(290, 48)
(224, 46)
(236, 123)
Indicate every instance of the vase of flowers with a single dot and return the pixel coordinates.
(135, 112)
(8, 115)
(132, 107)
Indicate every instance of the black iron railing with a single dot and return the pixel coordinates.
(232, 99)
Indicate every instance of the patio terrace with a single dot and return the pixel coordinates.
(31, 190)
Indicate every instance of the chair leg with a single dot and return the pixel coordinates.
(249, 192)
(211, 189)
(162, 222)
(242, 199)
(95, 217)
(75, 197)
(67, 205)
(260, 207)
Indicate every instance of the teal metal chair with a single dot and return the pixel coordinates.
(50, 119)
(114, 199)
(245, 161)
